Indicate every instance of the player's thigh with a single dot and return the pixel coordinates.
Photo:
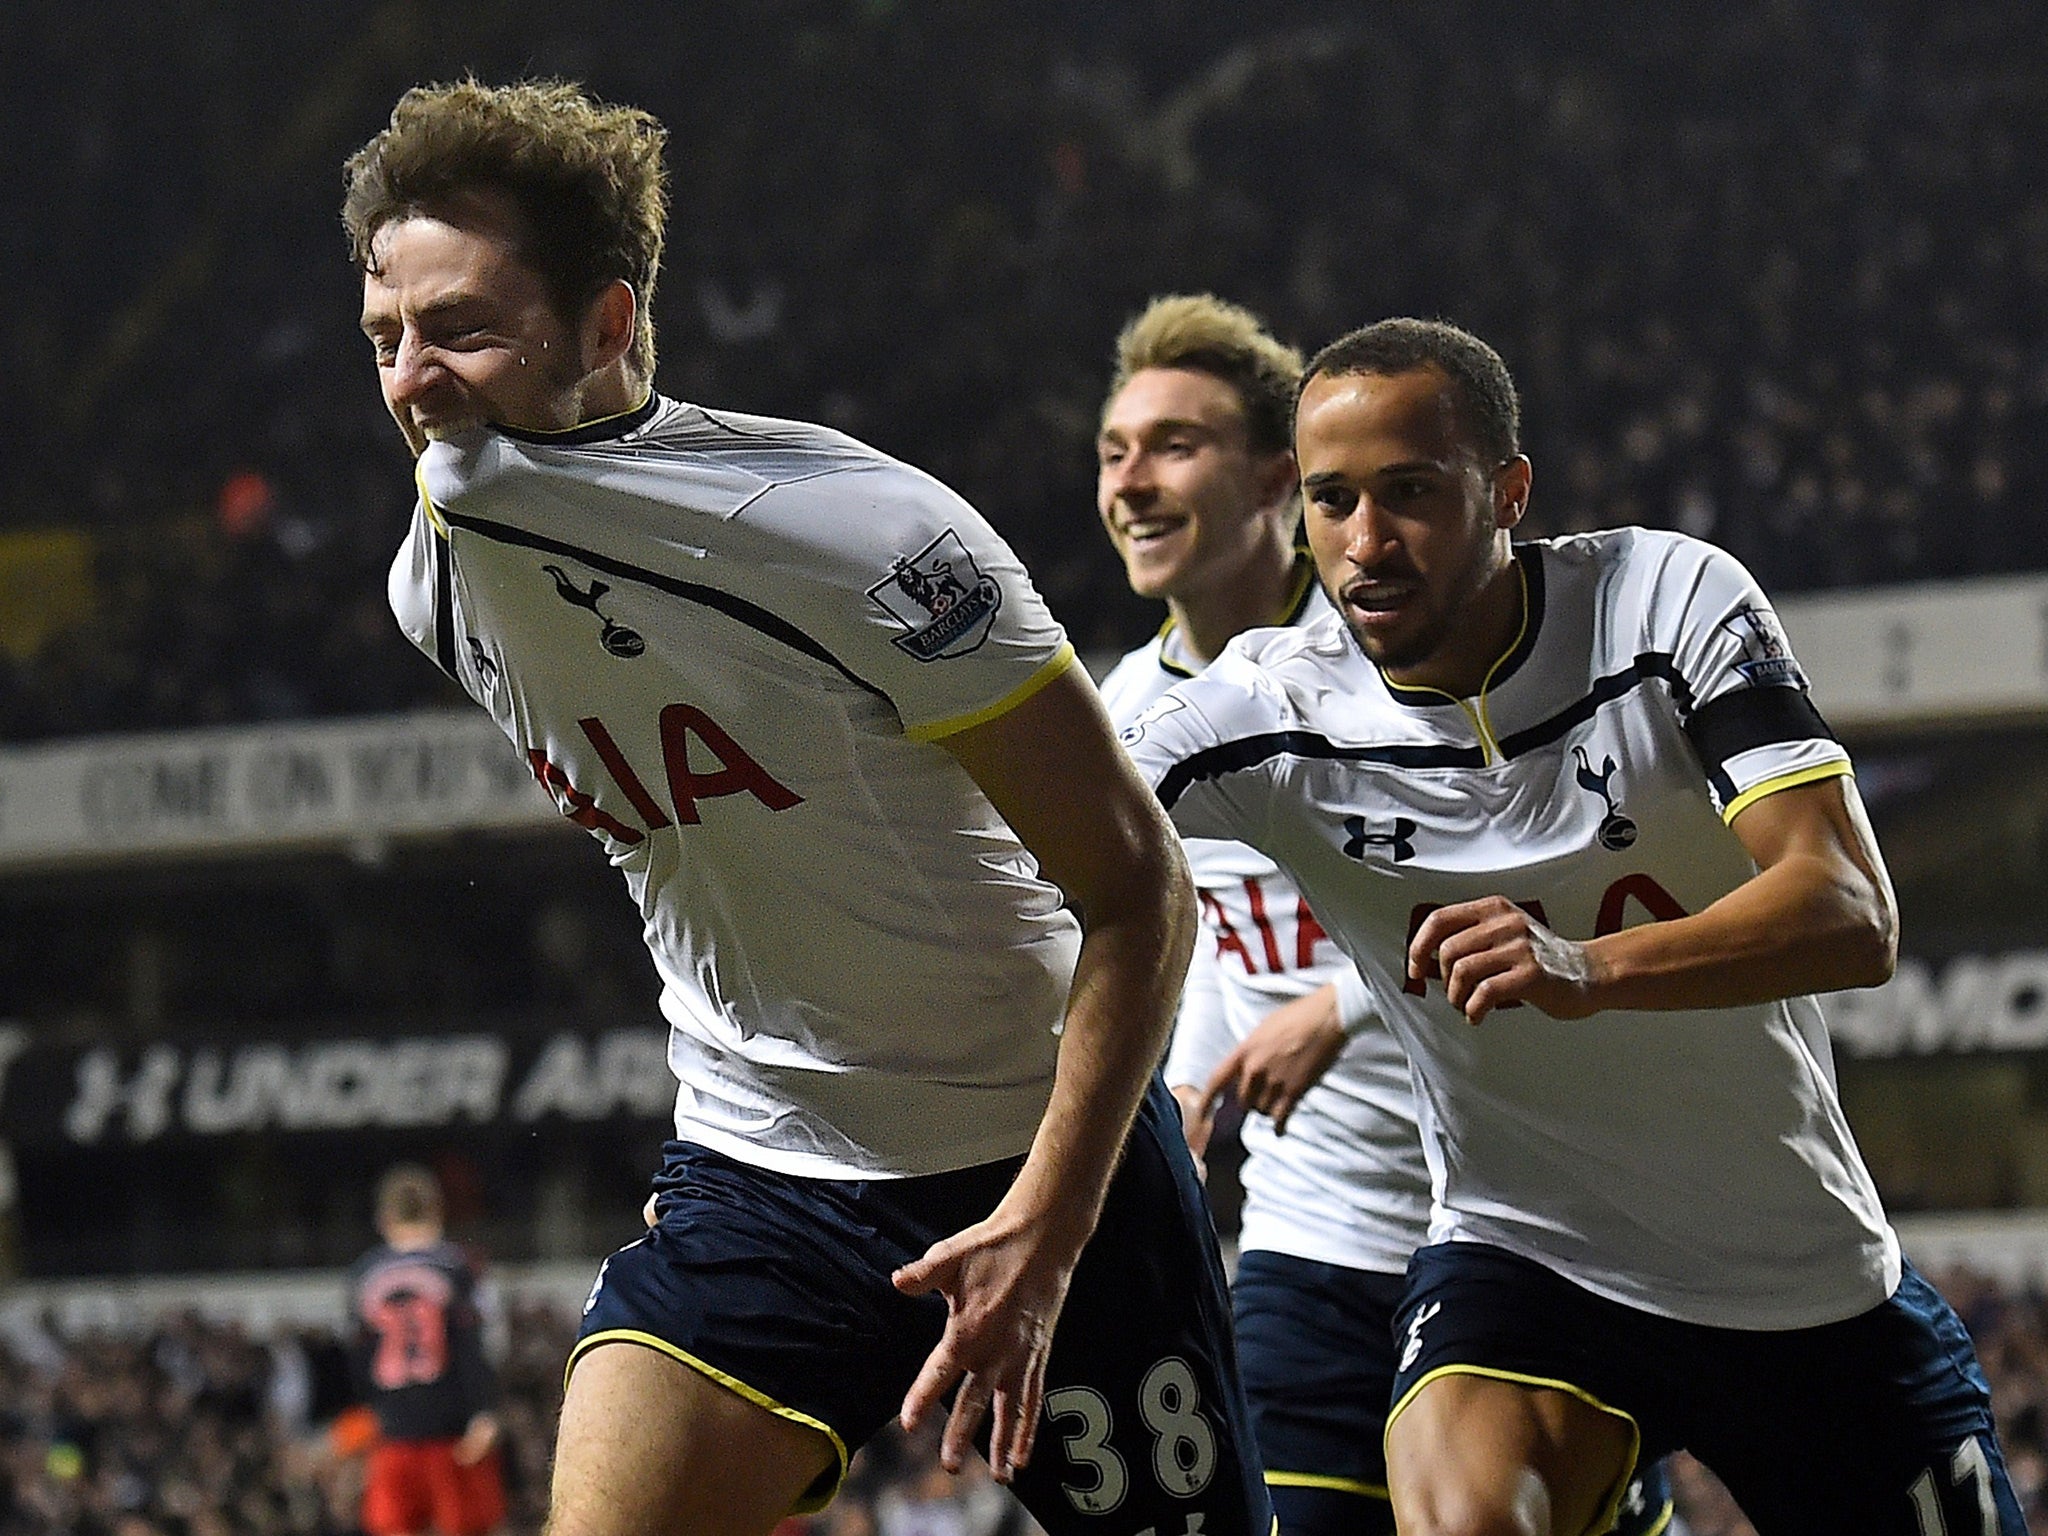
(763, 1303)
(1472, 1454)
(652, 1447)
(1879, 1425)
(1146, 1424)
(1516, 1395)
(1315, 1342)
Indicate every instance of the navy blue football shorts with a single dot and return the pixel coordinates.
(1878, 1425)
(1316, 1342)
(778, 1287)
(1317, 1345)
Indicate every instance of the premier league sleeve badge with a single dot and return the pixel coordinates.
(942, 599)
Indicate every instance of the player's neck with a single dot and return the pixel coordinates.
(1482, 633)
(411, 1236)
(1210, 620)
(609, 392)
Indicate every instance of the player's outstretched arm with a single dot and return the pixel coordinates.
(1818, 916)
(1053, 769)
(1273, 1066)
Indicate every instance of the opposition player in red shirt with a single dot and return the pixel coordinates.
(419, 1361)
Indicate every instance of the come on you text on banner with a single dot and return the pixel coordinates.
(247, 788)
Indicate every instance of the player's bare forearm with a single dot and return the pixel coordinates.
(1054, 771)
(1282, 1059)
(1118, 1018)
(1818, 916)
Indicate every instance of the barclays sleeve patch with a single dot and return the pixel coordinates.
(1767, 660)
(942, 599)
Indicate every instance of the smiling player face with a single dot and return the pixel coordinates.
(1184, 498)
(464, 331)
(1408, 528)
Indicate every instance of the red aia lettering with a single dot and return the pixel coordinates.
(1654, 899)
(576, 805)
(1255, 896)
(622, 772)
(738, 774)
(1658, 902)
(1227, 941)
(1308, 933)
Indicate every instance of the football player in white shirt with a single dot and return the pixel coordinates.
(1197, 489)
(1568, 808)
(814, 711)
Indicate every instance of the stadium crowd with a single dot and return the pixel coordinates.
(1777, 280)
(191, 1427)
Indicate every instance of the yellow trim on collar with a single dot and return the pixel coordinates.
(808, 1504)
(1610, 1507)
(419, 478)
(1481, 717)
(1792, 780)
(1061, 660)
(584, 426)
(1301, 578)
(1297, 592)
(1321, 1480)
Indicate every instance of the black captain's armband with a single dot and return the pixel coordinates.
(1748, 718)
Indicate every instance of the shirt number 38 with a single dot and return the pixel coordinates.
(1183, 1441)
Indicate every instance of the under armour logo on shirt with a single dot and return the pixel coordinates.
(1401, 840)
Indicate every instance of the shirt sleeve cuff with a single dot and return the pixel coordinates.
(1355, 1007)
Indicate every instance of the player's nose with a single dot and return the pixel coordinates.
(1130, 481)
(1368, 535)
(413, 368)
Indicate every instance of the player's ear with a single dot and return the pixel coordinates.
(1279, 478)
(609, 324)
(1511, 491)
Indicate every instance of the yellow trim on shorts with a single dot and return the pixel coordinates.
(1792, 780)
(1610, 1507)
(806, 1505)
(1670, 1509)
(1323, 1480)
(1061, 660)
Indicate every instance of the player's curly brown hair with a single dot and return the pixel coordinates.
(585, 176)
(1214, 336)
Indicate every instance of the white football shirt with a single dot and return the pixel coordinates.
(726, 645)
(1692, 1164)
(1347, 1183)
